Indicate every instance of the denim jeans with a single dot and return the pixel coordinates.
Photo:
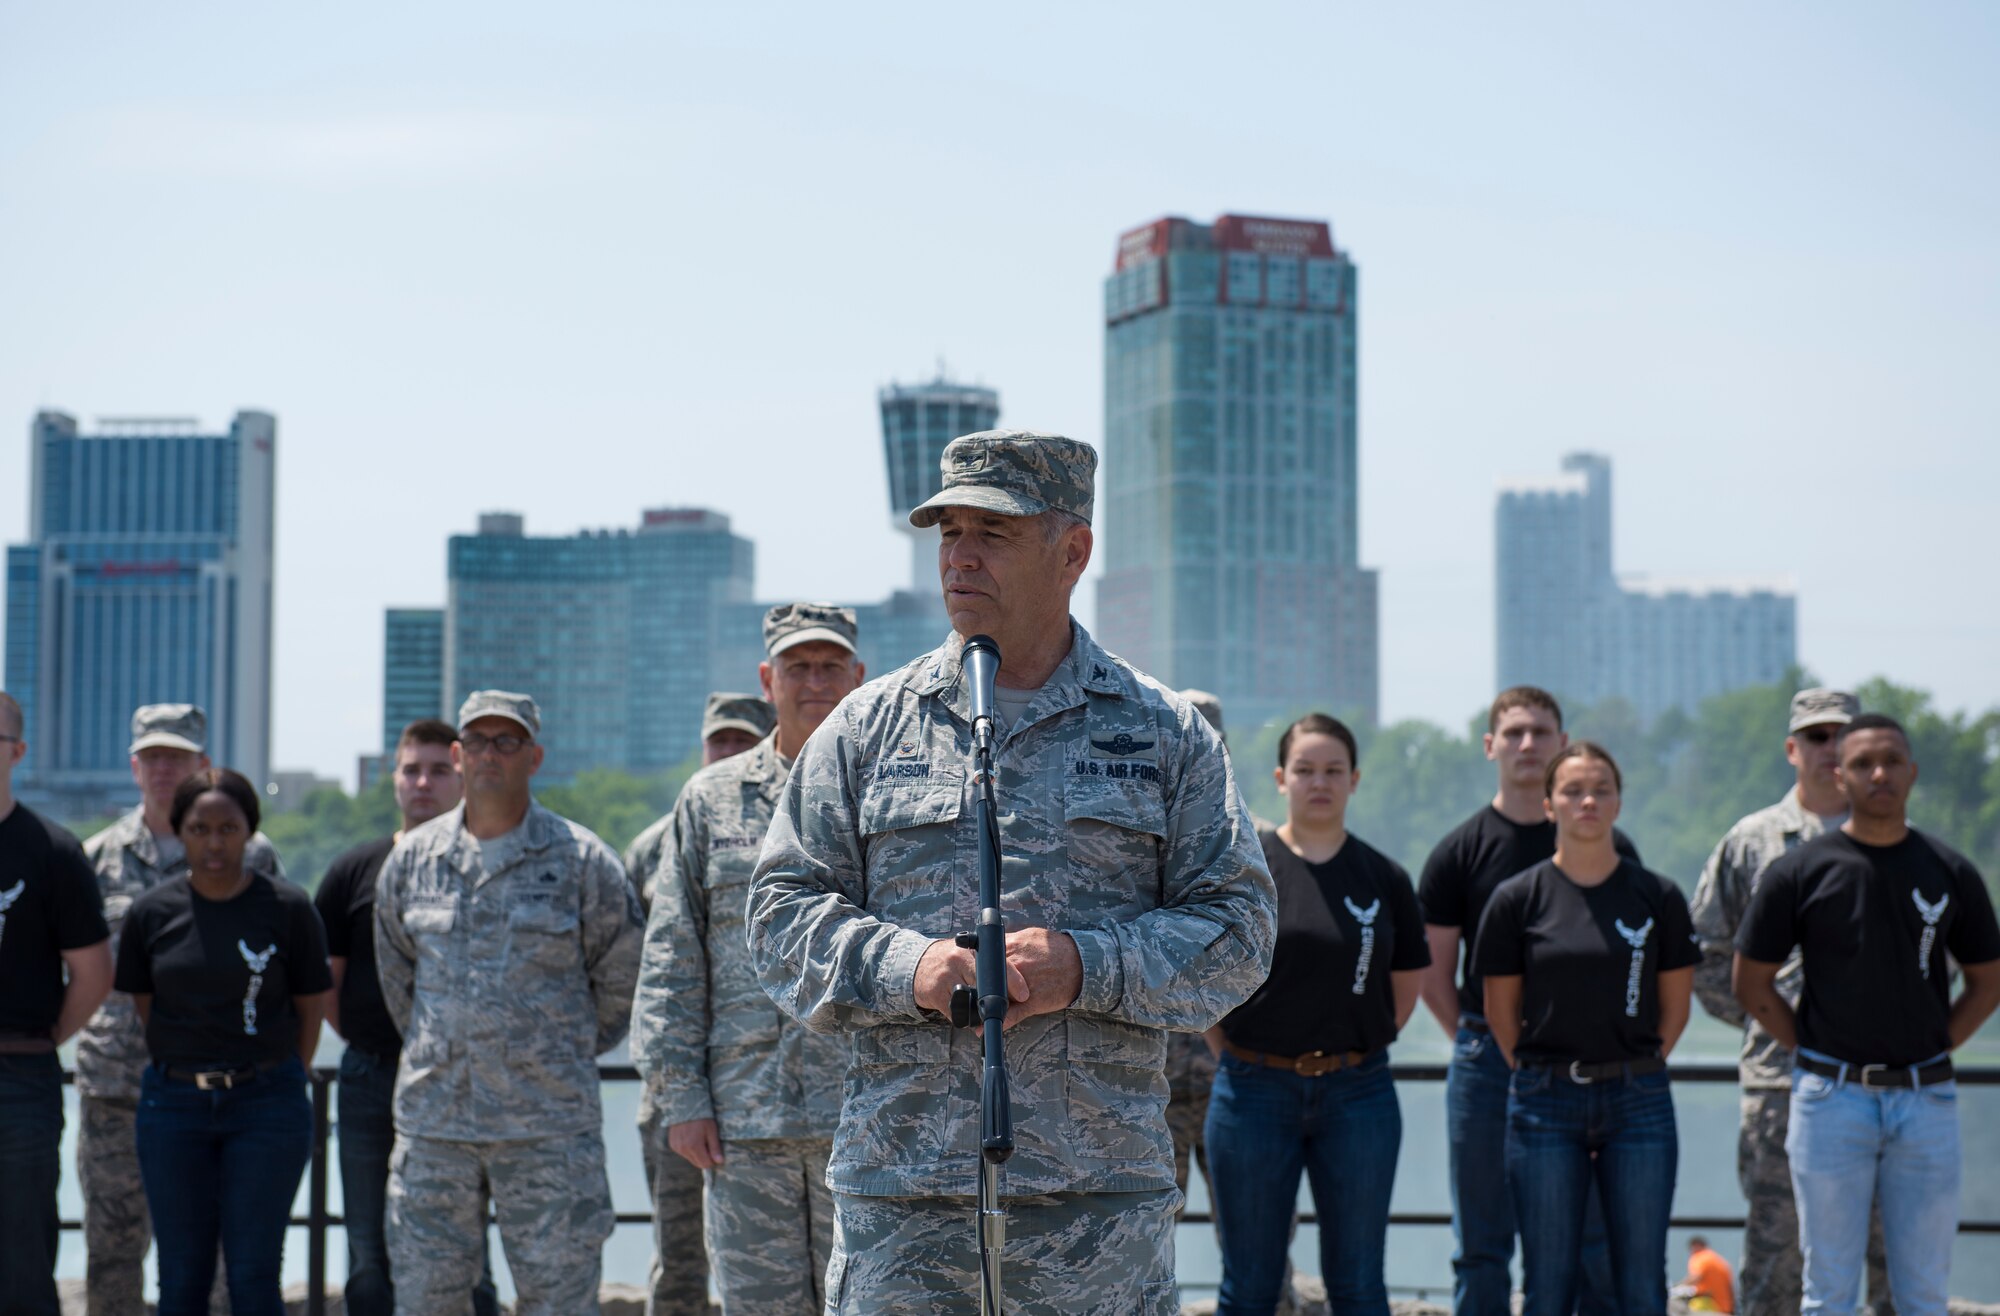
(1342, 1131)
(223, 1164)
(1897, 1147)
(1563, 1137)
(31, 1124)
(1482, 1207)
(366, 1130)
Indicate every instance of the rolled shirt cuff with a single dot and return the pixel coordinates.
(899, 973)
(1103, 972)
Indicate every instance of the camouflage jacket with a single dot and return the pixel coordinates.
(642, 866)
(506, 984)
(1721, 899)
(1120, 823)
(111, 1048)
(709, 1041)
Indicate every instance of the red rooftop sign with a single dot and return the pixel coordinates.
(1278, 237)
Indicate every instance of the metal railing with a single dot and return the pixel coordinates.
(317, 1219)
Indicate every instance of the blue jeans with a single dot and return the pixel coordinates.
(1563, 1137)
(1898, 1147)
(1343, 1131)
(223, 1164)
(31, 1124)
(1482, 1209)
(366, 1130)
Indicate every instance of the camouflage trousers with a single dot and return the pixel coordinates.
(770, 1226)
(553, 1203)
(678, 1280)
(1770, 1282)
(1064, 1254)
(1187, 1112)
(116, 1229)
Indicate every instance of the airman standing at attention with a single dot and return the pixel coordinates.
(678, 1281)
(132, 856)
(750, 1096)
(507, 942)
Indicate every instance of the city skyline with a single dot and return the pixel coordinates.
(483, 277)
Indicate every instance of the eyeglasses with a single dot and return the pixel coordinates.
(15, 739)
(1815, 735)
(506, 746)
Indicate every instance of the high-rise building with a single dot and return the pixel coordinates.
(611, 631)
(146, 579)
(412, 670)
(918, 420)
(1566, 621)
(1228, 503)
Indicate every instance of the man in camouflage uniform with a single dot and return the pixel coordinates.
(750, 1097)
(132, 856)
(1135, 894)
(678, 1280)
(1770, 1283)
(1190, 1060)
(507, 943)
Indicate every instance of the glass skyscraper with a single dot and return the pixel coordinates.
(1228, 505)
(612, 632)
(146, 579)
(918, 420)
(1564, 620)
(412, 670)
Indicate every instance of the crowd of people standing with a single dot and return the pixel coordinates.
(1188, 985)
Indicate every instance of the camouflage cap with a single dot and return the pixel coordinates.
(1207, 705)
(1820, 706)
(797, 623)
(170, 726)
(734, 712)
(501, 703)
(1014, 473)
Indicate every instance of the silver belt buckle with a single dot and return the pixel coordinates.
(1866, 1070)
(1576, 1077)
(210, 1079)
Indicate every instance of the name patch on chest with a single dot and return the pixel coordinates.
(735, 842)
(919, 771)
(1117, 769)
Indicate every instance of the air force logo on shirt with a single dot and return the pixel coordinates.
(1635, 979)
(7, 899)
(1366, 918)
(1930, 912)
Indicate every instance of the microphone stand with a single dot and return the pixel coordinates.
(986, 1004)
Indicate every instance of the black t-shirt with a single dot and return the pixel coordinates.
(1590, 959)
(222, 973)
(346, 904)
(1465, 869)
(1873, 923)
(1342, 927)
(49, 903)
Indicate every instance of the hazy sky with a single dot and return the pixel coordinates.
(577, 260)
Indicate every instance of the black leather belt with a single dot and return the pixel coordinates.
(26, 1044)
(1473, 1023)
(220, 1076)
(1882, 1076)
(1576, 1071)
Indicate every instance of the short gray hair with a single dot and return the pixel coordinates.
(1056, 523)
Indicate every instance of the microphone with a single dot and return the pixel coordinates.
(981, 660)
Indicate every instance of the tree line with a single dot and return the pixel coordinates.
(1687, 778)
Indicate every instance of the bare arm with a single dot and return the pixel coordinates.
(1214, 1039)
(312, 1012)
(1976, 1002)
(1440, 982)
(1676, 1000)
(142, 1005)
(1503, 1013)
(338, 964)
(1405, 985)
(89, 983)
(1756, 985)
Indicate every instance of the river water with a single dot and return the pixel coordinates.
(1419, 1257)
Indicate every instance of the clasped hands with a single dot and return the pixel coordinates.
(1044, 973)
